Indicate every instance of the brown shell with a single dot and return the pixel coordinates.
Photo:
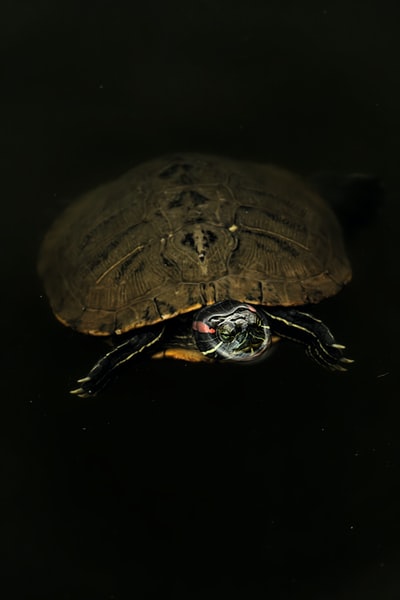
(182, 231)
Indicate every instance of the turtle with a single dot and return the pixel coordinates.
(196, 257)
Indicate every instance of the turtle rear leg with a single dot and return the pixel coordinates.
(303, 328)
(104, 369)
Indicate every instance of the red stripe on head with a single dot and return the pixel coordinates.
(251, 308)
(202, 327)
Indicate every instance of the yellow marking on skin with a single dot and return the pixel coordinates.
(81, 392)
(121, 260)
(212, 350)
(140, 349)
(320, 349)
(181, 354)
(295, 325)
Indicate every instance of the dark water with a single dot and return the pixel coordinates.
(277, 481)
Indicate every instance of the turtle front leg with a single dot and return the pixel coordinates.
(302, 327)
(101, 373)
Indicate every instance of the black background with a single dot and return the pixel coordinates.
(274, 481)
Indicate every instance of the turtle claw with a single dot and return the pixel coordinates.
(339, 367)
(347, 361)
(81, 391)
(89, 385)
(104, 369)
(329, 356)
(334, 359)
(76, 391)
(94, 381)
(301, 327)
(343, 363)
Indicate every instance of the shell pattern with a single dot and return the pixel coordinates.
(183, 231)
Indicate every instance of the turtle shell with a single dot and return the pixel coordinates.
(182, 231)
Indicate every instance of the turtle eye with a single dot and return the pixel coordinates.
(226, 332)
(231, 331)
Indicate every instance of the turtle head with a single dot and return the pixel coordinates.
(233, 331)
